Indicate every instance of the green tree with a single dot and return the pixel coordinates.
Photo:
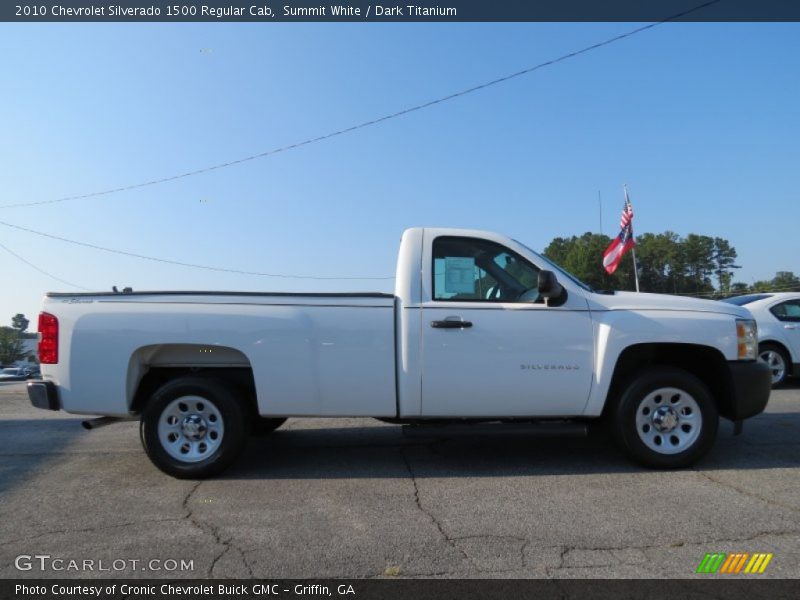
(666, 262)
(739, 288)
(724, 258)
(662, 263)
(699, 252)
(784, 281)
(19, 322)
(11, 339)
(583, 257)
(10, 345)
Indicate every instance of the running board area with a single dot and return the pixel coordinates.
(539, 429)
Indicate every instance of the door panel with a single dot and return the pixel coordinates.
(491, 346)
(514, 360)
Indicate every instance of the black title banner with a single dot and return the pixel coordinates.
(391, 589)
(405, 11)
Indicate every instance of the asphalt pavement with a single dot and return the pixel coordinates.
(354, 498)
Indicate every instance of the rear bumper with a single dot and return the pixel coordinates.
(43, 394)
(752, 384)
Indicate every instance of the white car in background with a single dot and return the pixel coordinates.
(778, 318)
(13, 374)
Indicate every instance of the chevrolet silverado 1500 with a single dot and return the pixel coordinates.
(480, 330)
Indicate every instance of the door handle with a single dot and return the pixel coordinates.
(451, 324)
(790, 326)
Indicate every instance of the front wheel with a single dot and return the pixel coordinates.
(193, 427)
(665, 418)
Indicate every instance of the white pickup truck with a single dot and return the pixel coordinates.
(481, 332)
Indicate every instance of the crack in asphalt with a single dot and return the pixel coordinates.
(616, 560)
(644, 548)
(204, 527)
(209, 528)
(97, 528)
(560, 557)
(565, 550)
(747, 493)
(524, 543)
(450, 541)
(523, 548)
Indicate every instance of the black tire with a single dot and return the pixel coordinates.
(767, 347)
(646, 404)
(232, 418)
(266, 425)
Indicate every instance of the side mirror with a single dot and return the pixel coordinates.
(549, 288)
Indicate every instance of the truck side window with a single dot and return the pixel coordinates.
(472, 270)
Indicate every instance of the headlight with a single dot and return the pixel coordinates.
(747, 339)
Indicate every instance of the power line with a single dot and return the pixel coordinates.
(176, 262)
(376, 121)
(42, 271)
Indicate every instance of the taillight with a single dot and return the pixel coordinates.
(48, 339)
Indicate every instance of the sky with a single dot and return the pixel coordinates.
(701, 122)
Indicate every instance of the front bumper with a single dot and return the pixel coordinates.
(751, 385)
(43, 394)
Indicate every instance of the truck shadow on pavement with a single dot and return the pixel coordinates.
(28, 446)
(312, 449)
(770, 441)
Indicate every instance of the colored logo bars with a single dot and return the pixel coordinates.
(732, 564)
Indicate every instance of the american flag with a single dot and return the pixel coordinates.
(624, 241)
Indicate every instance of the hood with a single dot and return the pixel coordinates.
(636, 301)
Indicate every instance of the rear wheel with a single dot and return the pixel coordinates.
(193, 427)
(665, 418)
(777, 361)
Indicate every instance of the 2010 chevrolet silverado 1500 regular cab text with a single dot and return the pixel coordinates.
(481, 332)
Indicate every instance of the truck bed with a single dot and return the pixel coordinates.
(311, 354)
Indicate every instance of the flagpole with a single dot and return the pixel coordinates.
(633, 250)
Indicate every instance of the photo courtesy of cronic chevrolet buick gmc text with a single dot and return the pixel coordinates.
(480, 333)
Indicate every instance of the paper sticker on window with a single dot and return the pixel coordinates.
(459, 275)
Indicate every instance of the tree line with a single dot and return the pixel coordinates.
(12, 340)
(667, 263)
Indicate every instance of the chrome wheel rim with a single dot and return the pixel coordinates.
(775, 363)
(668, 420)
(190, 429)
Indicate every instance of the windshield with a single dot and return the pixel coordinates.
(742, 300)
(566, 274)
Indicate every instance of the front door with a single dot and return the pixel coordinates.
(491, 347)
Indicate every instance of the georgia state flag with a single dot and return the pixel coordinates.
(623, 242)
